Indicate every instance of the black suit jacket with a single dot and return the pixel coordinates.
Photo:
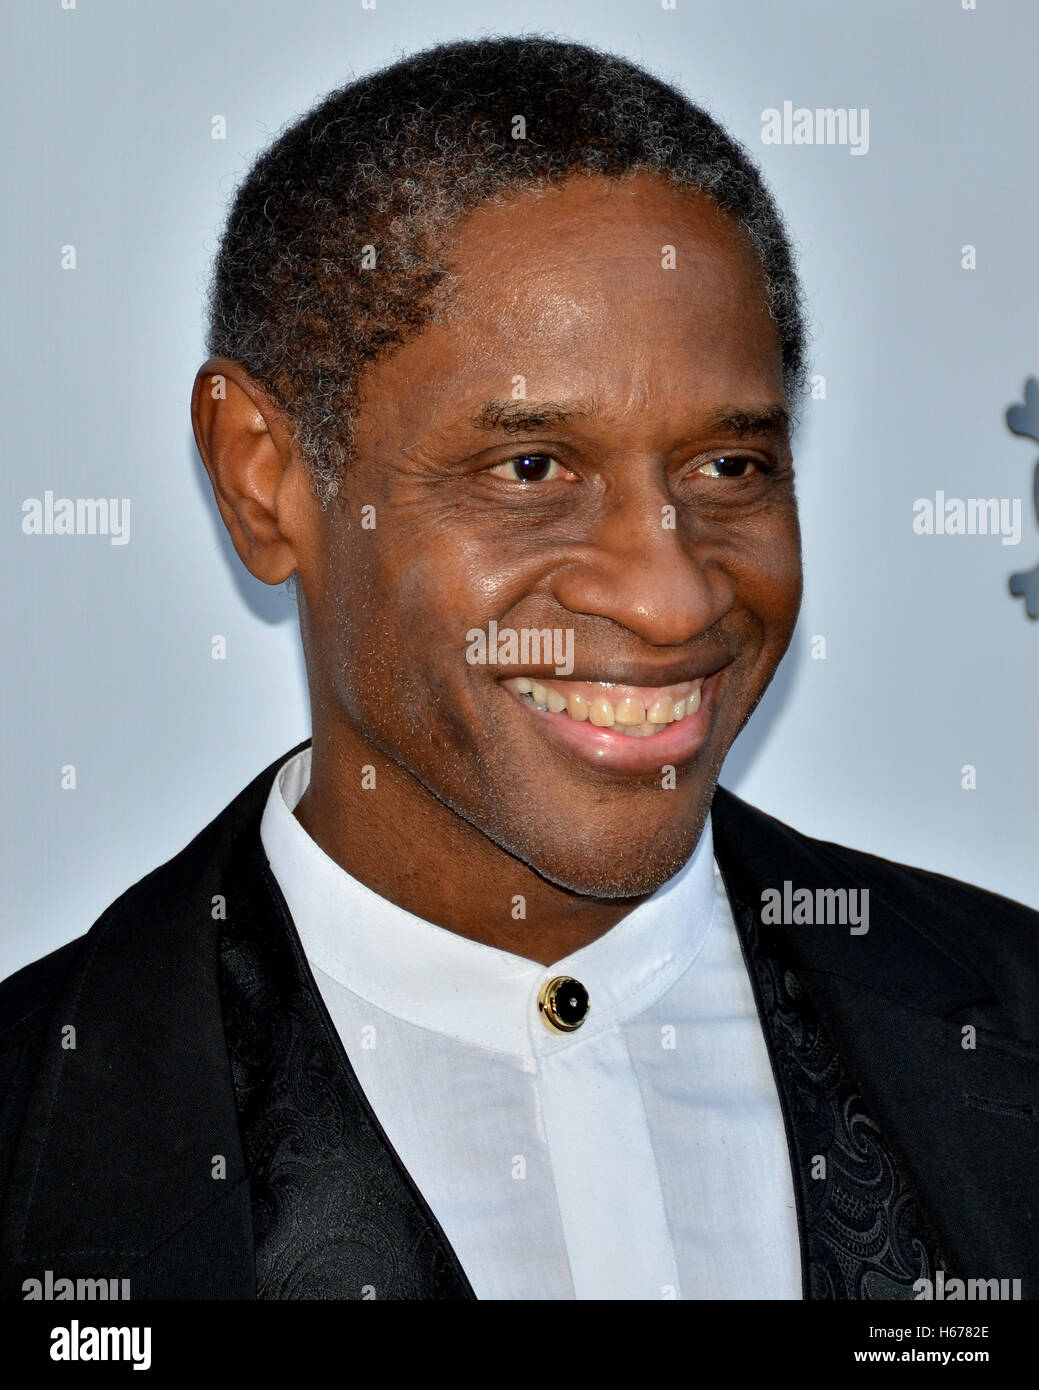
(201, 1132)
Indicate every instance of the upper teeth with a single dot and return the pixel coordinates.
(633, 715)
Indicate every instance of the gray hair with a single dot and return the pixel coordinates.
(395, 160)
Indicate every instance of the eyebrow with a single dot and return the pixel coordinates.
(513, 416)
(769, 419)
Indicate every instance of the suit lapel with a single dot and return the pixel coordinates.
(928, 1143)
(336, 1213)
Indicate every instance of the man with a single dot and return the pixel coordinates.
(488, 990)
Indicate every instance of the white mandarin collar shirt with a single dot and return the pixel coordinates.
(642, 1156)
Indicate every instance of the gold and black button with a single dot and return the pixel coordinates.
(563, 1003)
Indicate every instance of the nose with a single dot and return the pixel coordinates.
(648, 568)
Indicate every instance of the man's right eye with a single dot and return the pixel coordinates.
(529, 468)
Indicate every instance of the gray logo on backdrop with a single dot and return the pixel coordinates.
(1023, 419)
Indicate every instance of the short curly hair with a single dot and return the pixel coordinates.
(393, 161)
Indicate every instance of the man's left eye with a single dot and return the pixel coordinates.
(730, 467)
(529, 468)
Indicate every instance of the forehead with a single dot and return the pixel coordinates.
(588, 223)
(628, 292)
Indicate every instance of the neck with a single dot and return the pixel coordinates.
(405, 845)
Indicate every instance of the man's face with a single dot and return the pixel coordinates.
(586, 442)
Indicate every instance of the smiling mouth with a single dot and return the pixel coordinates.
(637, 711)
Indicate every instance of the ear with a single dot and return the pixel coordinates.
(259, 480)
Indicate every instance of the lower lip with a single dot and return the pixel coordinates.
(613, 751)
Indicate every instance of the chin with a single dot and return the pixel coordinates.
(639, 870)
(641, 881)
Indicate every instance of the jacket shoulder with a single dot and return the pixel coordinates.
(27, 996)
(141, 990)
(977, 924)
(27, 1000)
(152, 898)
(137, 926)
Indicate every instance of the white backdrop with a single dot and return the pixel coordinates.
(930, 664)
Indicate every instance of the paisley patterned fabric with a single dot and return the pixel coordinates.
(336, 1215)
(863, 1236)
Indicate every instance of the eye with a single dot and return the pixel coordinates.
(530, 468)
(726, 467)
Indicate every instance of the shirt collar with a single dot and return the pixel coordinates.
(478, 994)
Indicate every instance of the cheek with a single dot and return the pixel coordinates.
(403, 605)
(770, 577)
(445, 582)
